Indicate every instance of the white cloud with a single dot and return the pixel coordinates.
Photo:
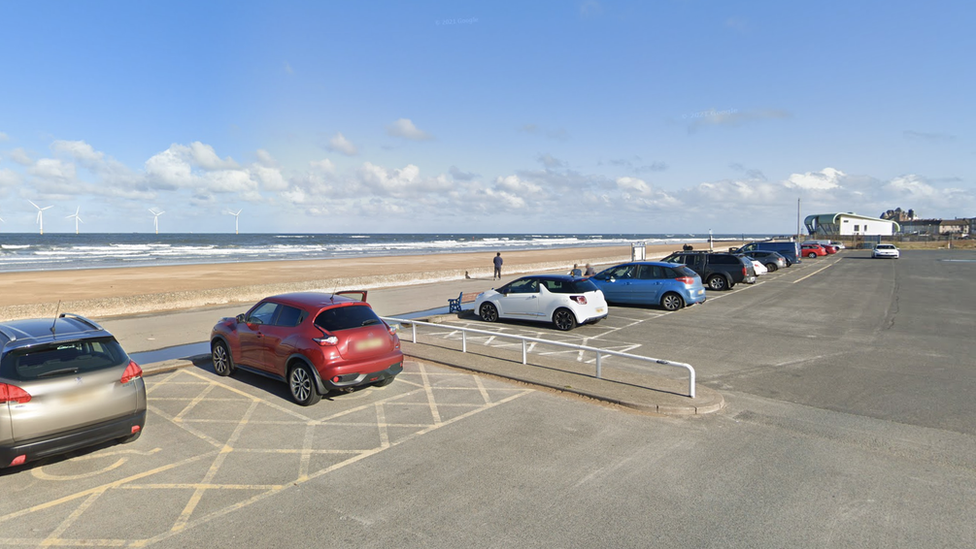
(404, 128)
(324, 166)
(265, 158)
(79, 150)
(9, 178)
(341, 144)
(205, 157)
(21, 157)
(632, 184)
(270, 178)
(52, 168)
(825, 179)
(4, 137)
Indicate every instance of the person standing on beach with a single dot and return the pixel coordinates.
(498, 266)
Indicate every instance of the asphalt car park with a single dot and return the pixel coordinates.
(848, 423)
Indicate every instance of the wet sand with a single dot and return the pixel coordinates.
(135, 290)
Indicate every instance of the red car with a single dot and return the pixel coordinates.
(315, 342)
(812, 250)
(829, 248)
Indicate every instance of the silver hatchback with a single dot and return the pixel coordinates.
(65, 384)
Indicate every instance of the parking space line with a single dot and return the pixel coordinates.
(818, 271)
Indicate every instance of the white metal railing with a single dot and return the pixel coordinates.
(525, 339)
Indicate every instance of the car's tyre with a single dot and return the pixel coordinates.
(812, 255)
(301, 383)
(672, 301)
(718, 283)
(223, 363)
(564, 319)
(488, 312)
(384, 382)
(771, 267)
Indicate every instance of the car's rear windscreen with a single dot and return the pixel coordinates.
(62, 359)
(347, 317)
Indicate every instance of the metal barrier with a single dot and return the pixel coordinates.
(525, 339)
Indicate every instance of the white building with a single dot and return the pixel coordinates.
(849, 224)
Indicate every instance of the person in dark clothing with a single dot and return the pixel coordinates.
(498, 266)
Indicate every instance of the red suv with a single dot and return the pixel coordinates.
(315, 342)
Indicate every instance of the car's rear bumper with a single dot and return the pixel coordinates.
(361, 373)
(61, 443)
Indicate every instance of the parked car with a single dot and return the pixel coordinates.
(789, 250)
(812, 250)
(315, 342)
(65, 384)
(719, 270)
(651, 283)
(886, 251)
(772, 260)
(564, 300)
(829, 248)
(756, 264)
(837, 244)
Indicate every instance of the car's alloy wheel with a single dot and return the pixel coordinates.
(771, 267)
(718, 282)
(302, 385)
(223, 364)
(488, 312)
(812, 255)
(672, 302)
(564, 319)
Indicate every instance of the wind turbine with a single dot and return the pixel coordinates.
(156, 218)
(77, 219)
(40, 214)
(236, 219)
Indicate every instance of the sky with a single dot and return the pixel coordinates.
(589, 116)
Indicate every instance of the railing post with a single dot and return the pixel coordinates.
(414, 326)
(599, 366)
(464, 341)
(525, 354)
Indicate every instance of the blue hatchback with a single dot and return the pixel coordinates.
(651, 283)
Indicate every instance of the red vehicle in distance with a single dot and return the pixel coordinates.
(812, 250)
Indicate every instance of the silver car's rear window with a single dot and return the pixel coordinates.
(62, 359)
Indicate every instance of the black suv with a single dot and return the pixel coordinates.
(718, 270)
(65, 383)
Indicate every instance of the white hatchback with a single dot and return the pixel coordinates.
(886, 250)
(565, 301)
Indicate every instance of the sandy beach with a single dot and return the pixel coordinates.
(136, 290)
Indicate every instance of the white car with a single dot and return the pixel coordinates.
(886, 250)
(564, 300)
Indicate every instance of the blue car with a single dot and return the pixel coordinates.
(651, 283)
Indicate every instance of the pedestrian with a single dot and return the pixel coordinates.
(576, 271)
(590, 271)
(498, 266)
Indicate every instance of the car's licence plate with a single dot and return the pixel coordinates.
(367, 344)
(599, 309)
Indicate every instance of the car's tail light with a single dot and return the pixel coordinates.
(19, 460)
(745, 271)
(131, 372)
(331, 340)
(581, 299)
(13, 393)
(686, 280)
(135, 429)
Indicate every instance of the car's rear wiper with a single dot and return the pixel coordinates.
(59, 372)
(369, 322)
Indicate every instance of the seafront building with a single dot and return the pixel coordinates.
(849, 224)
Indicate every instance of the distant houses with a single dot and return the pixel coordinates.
(940, 227)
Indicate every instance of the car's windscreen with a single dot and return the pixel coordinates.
(570, 286)
(345, 318)
(62, 359)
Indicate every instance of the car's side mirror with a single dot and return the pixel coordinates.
(240, 318)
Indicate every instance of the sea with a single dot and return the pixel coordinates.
(63, 251)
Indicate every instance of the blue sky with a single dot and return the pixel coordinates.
(551, 117)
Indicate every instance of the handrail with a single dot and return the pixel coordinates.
(525, 339)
